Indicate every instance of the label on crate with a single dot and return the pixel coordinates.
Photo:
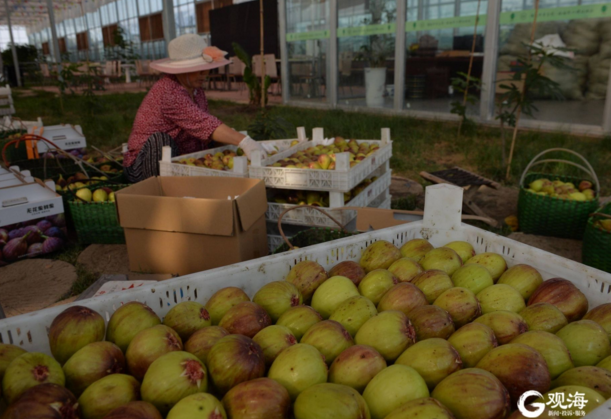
(15, 201)
(295, 178)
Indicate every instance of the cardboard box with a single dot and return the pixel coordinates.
(29, 201)
(181, 225)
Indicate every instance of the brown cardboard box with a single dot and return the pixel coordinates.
(181, 225)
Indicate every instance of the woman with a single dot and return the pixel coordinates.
(175, 111)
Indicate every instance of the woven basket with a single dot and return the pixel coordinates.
(97, 222)
(551, 216)
(596, 250)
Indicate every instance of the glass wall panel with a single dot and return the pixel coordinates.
(439, 39)
(184, 17)
(582, 26)
(144, 7)
(156, 6)
(307, 40)
(366, 47)
(132, 10)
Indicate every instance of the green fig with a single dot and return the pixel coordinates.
(389, 332)
(425, 407)
(379, 255)
(405, 269)
(356, 366)
(463, 249)
(475, 278)
(523, 278)
(403, 297)
(596, 378)
(354, 312)
(551, 347)
(587, 342)
(434, 359)
(307, 276)
(500, 297)
(472, 342)
(491, 261)
(332, 293)
(376, 283)
(505, 324)
(443, 259)
(544, 316)
(277, 297)
(461, 303)
(602, 316)
(299, 319)
(328, 400)
(416, 249)
(431, 322)
(433, 283)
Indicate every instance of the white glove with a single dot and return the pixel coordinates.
(249, 145)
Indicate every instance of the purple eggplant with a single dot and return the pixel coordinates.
(55, 232)
(51, 244)
(35, 236)
(3, 235)
(44, 225)
(34, 250)
(18, 232)
(15, 248)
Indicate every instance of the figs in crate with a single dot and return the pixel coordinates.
(523, 278)
(564, 295)
(461, 304)
(551, 347)
(416, 249)
(149, 345)
(402, 297)
(200, 342)
(45, 401)
(259, 398)
(307, 276)
(592, 399)
(186, 318)
(587, 342)
(107, 394)
(376, 283)
(431, 322)
(356, 366)
(328, 400)
(434, 359)
(246, 319)
(15, 248)
(8, 353)
(379, 255)
(596, 378)
(491, 261)
(405, 269)
(277, 297)
(424, 407)
(273, 340)
(222, 300)
(463, 249)
(29, 370)
(473, 277)
(433, 283)
(500, 297)
(602, 316)
(299, 319)
(505, 324)
(443, 259)
(331, 294)
(353, 313)
(233, 360)
(329, 337)
(544, 317)
(349, 269)
(199, 405)
(127, 321)
(72, 329)
(389, 333)
(135, 410)
(472, 342)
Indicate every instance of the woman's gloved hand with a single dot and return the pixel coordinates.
(249, 145)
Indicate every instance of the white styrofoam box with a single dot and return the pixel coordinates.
(6, 101)
(341, 179)
(16, 123)
(312, 217)
(169, 165)
(13, 176)
(65, 137)
(441, 224)
(29, 201)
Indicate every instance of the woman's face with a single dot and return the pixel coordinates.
(193, 80)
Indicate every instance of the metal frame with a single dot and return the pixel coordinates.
(284, 61)
(331, 84)
(607, 110)
(399, 99)
(491, 49)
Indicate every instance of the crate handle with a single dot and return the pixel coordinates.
(589, 170)
(286, 240)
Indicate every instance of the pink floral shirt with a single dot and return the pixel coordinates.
(168, 108)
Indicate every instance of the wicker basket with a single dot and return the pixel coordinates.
(596, 250)
(97, 222)
(551, 216)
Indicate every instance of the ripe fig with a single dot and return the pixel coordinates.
(149, 345)
(389, 333)
(298, 367)
(222, 300)
(523, 278)
(273, 340)
(463, 249)
(246, 319)
(186, 318)
(72, 329)
(416, 249)
(135, 410)
(44, 401)
(29, 370)
(7, 354)
(505, 324)
(425, 407)
(564, 295)
(326, 400)
(482, 395)
(329, 337)
(277, 297)
(353, 313)
(259, 398)
(596, 378)
(461, 304)
(443, 259)
(543, 316)
(356, 366)
(431, 322)
(107, 394)
(500, 297)
(519, 367)
(233, 360)
(473, 277)
(605, 363)
(491, 261)
(472, 342)
(405, 269)
(376, 283)
(592, 399)
(551, 347)
(202, 405)
(331, 294)
(434, 359)
(587, 342)
(52, 244)
(299, 319)
(349, 269)
(602, 316)
(433, 283)
(391, 388)
(379, 255)
(127, 321)
(307, 276)
(15, 248)
(200, 342)
(402, 297)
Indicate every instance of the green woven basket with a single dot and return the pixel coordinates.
(596, 250)
(551, 216)
(97, 222)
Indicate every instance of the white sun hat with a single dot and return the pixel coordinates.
(189, 53)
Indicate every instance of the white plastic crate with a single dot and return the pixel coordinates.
(9, 123)
(441, 224)
(383, 201)
(169, 165)
(65, 137)
(341, 179)
(312, 217)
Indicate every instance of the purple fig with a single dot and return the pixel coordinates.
(15, 248)
(13, 234)
(3, 235)
(35, 235)
(44, 225)
(34, 250)
(59, 220)
(55, 232)
(51, 244)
